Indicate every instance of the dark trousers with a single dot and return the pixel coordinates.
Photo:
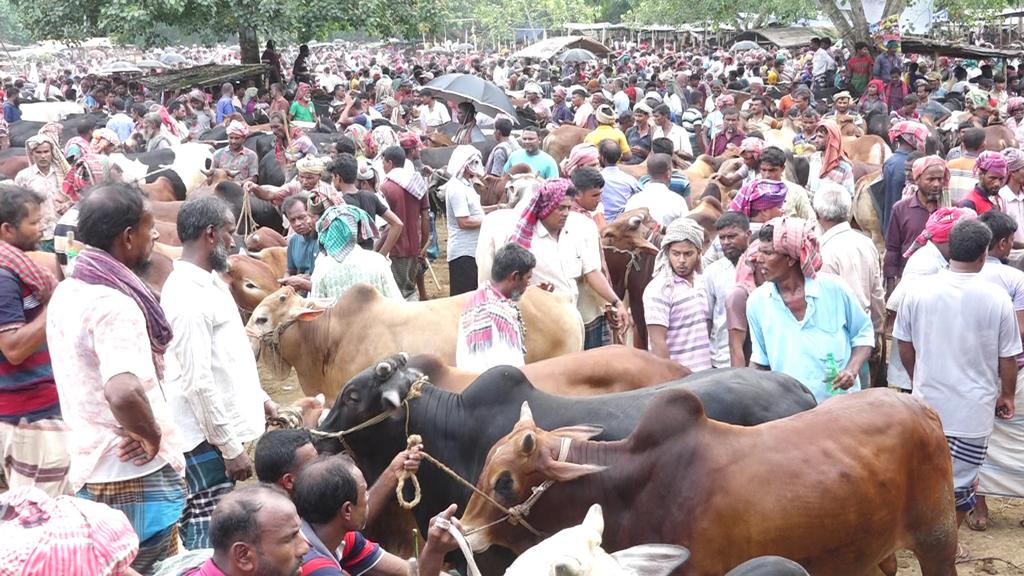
(462, 275)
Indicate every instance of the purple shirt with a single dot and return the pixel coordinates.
(682, 308)
(906, 222)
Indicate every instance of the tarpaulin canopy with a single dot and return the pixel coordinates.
(552, 46)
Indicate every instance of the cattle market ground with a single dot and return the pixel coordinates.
(999, 550)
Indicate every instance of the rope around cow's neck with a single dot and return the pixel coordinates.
(245, 215)
(414, 392)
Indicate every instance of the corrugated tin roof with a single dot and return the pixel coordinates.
(919, 45)
(792, 37)
(552, 46)
(201, 76)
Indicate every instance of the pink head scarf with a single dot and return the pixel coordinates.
(922, 164)
(543, 203)
(759, 194)
(580, 154)
(938, 227)
(991, 162)
(796, 238)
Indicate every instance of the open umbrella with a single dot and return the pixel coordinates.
(485, 95)
(744, 45)
(171, 58)
(120, 67)
(577, 55)
(462, 47)
(152, 64)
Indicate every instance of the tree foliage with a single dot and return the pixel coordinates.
(11, 29)
(743, 14)
(499, 18)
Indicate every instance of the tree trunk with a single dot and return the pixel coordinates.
(248, 45)
(855, 31)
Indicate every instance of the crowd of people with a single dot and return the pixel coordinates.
(150, 406)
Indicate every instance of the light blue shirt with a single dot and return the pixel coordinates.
(122, 125)
(834, 322)
(225, 108)
(541, 163)
(618, 187)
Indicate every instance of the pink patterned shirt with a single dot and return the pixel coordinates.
(95, 333)
(682, 308)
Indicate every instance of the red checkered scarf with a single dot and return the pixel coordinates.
(543, 203)
(490, 316)
(38, 279)
(915, 133)
(796, 238)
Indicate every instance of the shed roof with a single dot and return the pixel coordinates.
(791, 37)
(552, 46)
(920, 45)
(202, 76)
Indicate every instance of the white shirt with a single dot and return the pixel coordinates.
(821, 62)
(1013, 204)
(432, 117)
(719, 278)
(925, 261)
(213, 386)
(621, 102)
(500, 77)
(959, 376)
(853, 257)
(664, 205)
(48, 187)
(677, 134)
(582, 114)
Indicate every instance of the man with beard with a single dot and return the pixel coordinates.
(991, 170)
(108, 335)
(212, 384)
(720, 278)
(152, 130)
(32, 451)
(910, 214)
(491, 327)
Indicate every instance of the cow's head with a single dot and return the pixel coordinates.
(522, 187)
(515, 465)
(271, 318)
(374, 391)
(577, 551)
(251, 282)
(631, 232)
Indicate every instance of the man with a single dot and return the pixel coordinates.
(550, 230)
(108, 335)
(156, 137)
(583, 111)
(500, 74)
(639, 135)
(343, 263)
(464, 215)
(860, 65)
(12, 108)
(664, 205)
(76, 147)
(675, 303)
(225, 106)
(750, 150)
(962, 177)
(823, 65)
(829, 162)
(32, 433)
(344, 176)
(281, 454)
(560, 112)
(331, 499)
(303, 246)
(729, 135)
(241, 164)
(432, 113)
(606, 130)
(758, 119)
(720, 279)
(212, 382)
(491, 326)
(908, 137)
(991, 171)
(1011, 196)
(504, 147)
(179, 114)
(589, 185)
(665, 128)
(843, 115)
(540, 162)
(619, 185)
(203, 119)
(850, 255)
(968, 381)
(45, 177)
(620, 100)
(254, 530)
(406, 194)
(910, 214)
(999, 473)
(468, 132)
(307, 180)
(887, 62)
(808, 326)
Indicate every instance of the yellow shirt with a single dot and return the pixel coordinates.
(606, 132)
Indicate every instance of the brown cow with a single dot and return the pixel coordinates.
(264, 237)
(276, 258)
(160, 190)
(328, 346)
(561, 140)
(168, 232)
(600, 371)
(166, 211)
(835, 488)
(870, 149)
(250, 281)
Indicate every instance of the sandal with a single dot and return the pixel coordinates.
(975, 523)
(962, 553)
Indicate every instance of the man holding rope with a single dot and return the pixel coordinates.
(241, 164)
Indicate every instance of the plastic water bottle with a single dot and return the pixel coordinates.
(831, 372)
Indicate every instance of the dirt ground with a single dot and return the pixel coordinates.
(998, 550)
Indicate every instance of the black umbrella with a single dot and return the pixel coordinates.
(485, 95)
(577, 55)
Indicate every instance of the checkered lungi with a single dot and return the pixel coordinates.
(207, 482)
(597, 334)
(968, 454)
(153, 504)
(35, 454)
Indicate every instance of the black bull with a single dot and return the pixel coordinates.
(25, 129)
(459, 429)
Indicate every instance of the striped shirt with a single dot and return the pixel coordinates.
(27, 389)
(682, 308)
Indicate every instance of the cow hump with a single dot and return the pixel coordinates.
(671, 413)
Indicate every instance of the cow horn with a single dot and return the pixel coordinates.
(567, 567)
(404, 358)
(635, 221)
(383, 370)
(525, 414)
(391, 399)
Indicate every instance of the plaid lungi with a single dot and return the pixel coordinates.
(34, 454)
(968, 455)
(153, 504)
(596, 334)
(207, 483)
